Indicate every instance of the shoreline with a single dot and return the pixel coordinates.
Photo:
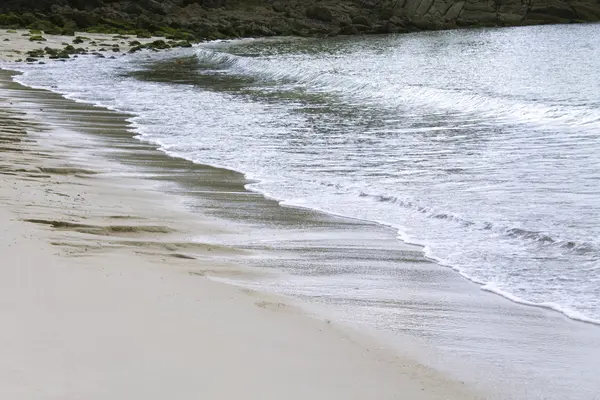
(483, 286)
(157, 163)
(99, 301)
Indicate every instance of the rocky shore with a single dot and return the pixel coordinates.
(195, 20)
(38, 47)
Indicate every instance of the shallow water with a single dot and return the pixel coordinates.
(481, 145)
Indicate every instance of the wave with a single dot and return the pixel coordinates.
(532, 236)
(329, 76)
(264, 68)
(568, 312)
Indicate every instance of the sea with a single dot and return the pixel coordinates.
(480, 146)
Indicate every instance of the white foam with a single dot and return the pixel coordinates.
(492, 288)
(498, 187)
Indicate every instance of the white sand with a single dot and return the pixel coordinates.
(87, 315)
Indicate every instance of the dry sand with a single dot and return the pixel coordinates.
(104, 296)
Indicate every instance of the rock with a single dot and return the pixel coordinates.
(387, 27)
(319, 13)
(51, 52)
(69, 49)
(563, 11)
(135, 49)
(255, 29)
(158, 45)
(454, 10)
(36, 53)
(132, 8)
(278, 7)
(348, 30)
(183, 44)
(31, 59)
(361, 20)
(361, 28)
(84, 19)
(424, 24)
(204, 19)
(509, 19)
(587, 12)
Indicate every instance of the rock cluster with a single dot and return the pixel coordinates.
(189, 20)
(61, 48)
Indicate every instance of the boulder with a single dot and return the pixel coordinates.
(454, 10)
(319, 13)
(232, 18)
(587, 12)
(348, 30)
(361, 28)
(361, 20)
(558, 11)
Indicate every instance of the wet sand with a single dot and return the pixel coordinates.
(104, 289)
(203, 220)
(421, 308)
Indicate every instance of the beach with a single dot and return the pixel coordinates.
(102, 296)
(235, 219)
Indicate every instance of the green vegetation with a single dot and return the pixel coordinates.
(57, 54)
(36, 53)
(88, 22)
(37, 24)
(144, 34)
(159, 45)
(37, 38)
(11, 20)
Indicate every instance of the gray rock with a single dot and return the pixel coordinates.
(563, 11)
(361, 20)
(212, 19)
(454, 10)
(319, 13)
(348, 30)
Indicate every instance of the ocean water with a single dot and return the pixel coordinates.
(482, 146)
